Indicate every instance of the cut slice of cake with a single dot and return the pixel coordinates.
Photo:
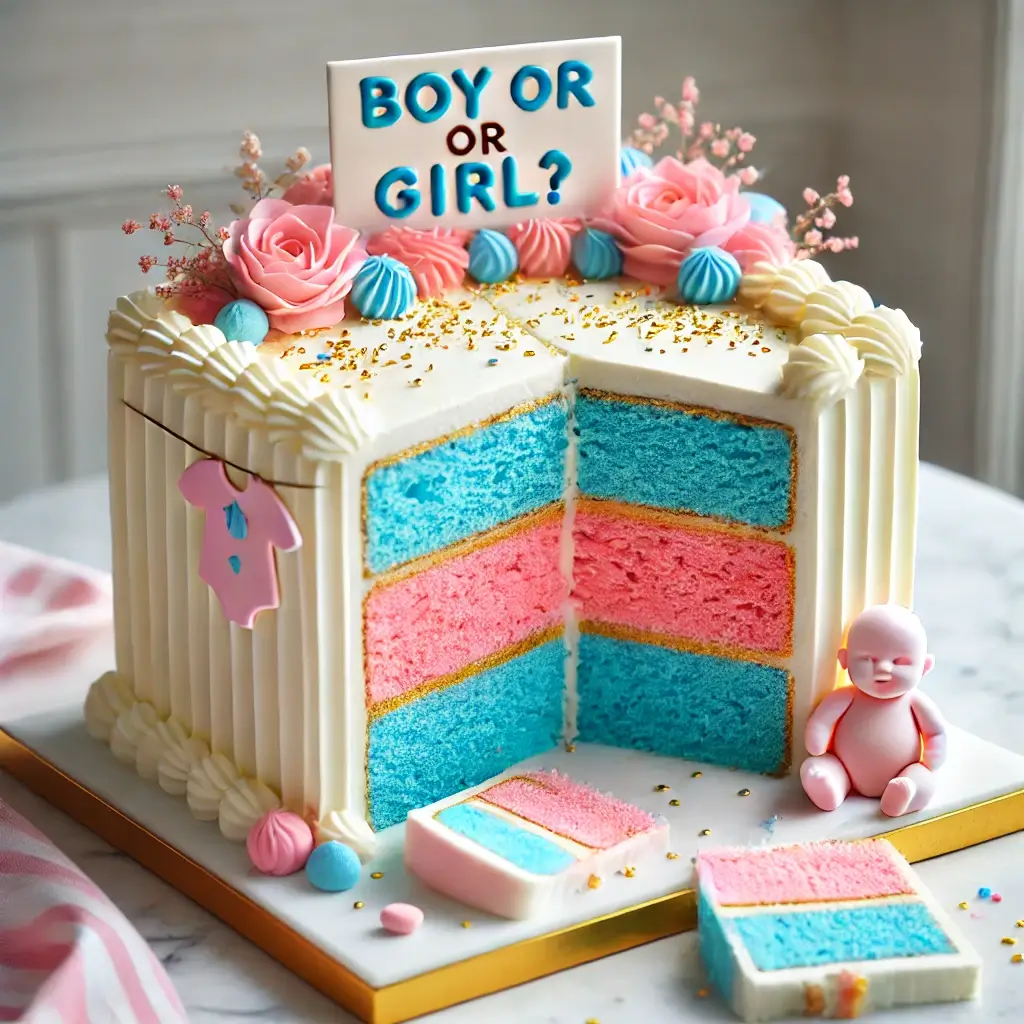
(832, 929)
(528, 843)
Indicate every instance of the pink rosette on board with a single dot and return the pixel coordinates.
(279, 843)
(437, 257)
(544, 246)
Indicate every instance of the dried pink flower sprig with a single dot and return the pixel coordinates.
(254, 178)
(726, 149)
(820, 216)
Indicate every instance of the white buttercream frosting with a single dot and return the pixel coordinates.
(208, 781)
(823, 368)
(242, 806)
(348, 828)
(787, 299)
(108, 698)
(756, 284)
(887, 341)
(833, 307)
(176, 763)
(131, 728)
(152, 746)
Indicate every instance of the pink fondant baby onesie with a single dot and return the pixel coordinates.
(242, 529)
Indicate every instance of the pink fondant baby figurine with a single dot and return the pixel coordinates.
(880, 737)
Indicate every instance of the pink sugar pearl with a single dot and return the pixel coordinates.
(279, 843)
(401, 918)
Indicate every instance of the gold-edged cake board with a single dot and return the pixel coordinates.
(460, 954)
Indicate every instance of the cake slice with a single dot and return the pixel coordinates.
(831, 929)
(528, 843)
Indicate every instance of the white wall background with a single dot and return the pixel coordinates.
(104, 102)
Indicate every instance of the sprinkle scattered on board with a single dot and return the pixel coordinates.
(467, 924)
(704, 832)
(984, 892)
(594, 882)
(1017, 958)
(1020, 924)
(996, 898)
(743, 792)
(1007, 941)
(492, 362)
(630, 872)
(696, 775)
(377, 874)
(671, 856)
(661, 788)
(964, 905)
(673, 803)
(358, 905)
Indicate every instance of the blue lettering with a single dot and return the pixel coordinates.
(526, 74)
(575, 86)
(378, 94)
(438, 196)
(510, 185)
(472, 90)
(442, 97)
(406, 200)
(474, 181)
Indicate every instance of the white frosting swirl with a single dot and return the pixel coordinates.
(108, 698)
(832, 308)
(131, 728)
(350, 829)
(152, 746)
(787, 300)
(756, 284)
(243, 805)
(823, 368)
(176, 763)
(208, 781)
(887, 341)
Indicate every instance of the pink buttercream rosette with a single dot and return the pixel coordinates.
(437, 258)
(544, 246)
(659, 214)
(315, 188)
(279, 843)
(295, 262)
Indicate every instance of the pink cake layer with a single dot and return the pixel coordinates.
(802, 874)
(700, 584)
(439, 620)
(569, 809)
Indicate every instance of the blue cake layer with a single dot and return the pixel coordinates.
(524, 849)
(811, 938)
(672, 458)
(465, 486)
(715, 950)
(695, 706)
(460, 736)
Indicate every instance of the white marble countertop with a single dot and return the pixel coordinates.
(970, 588)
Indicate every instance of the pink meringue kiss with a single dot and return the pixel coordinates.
(544, 246)
(279, 843)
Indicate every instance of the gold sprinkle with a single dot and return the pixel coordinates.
(1017, 959)
(661, 788)
(529, 352)
(417, 381)
(672, 856)
(1007, 941)
(467, 924)
(570, 748)
(611, 337)
(696, 775)
(964, 905)
(592, 1020)
(594, 882)
(629, 872)
(358, 905)
(702, 993)
(704, 832)
(1020, 924)
(377, 874)
(743, 792)
(673, 803)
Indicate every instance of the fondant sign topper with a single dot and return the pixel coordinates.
(475, 138)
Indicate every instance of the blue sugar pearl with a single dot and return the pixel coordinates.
(984, 893)
(596, 255)
(630, 158)
(333, 867)
(383, 289)
(764, 209)
(242, 320)
(492, 257)
(708, 276)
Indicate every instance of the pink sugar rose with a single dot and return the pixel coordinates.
(659, 214)
(437, 257)
(295, 262)
(754, 243)
(314, 188)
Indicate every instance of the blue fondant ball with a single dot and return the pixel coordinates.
(242, 320)
(630, 158)
(492, 257)
(333, 867)
(709, 276)
(764, 209)
(383, 288)
(596, 255)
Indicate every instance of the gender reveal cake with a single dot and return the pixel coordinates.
(489, 437)
(826, 930)
(528, 843)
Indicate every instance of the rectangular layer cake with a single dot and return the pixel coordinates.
(826, 929)
(425, 549)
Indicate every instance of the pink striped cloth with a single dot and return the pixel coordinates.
(67, 954)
